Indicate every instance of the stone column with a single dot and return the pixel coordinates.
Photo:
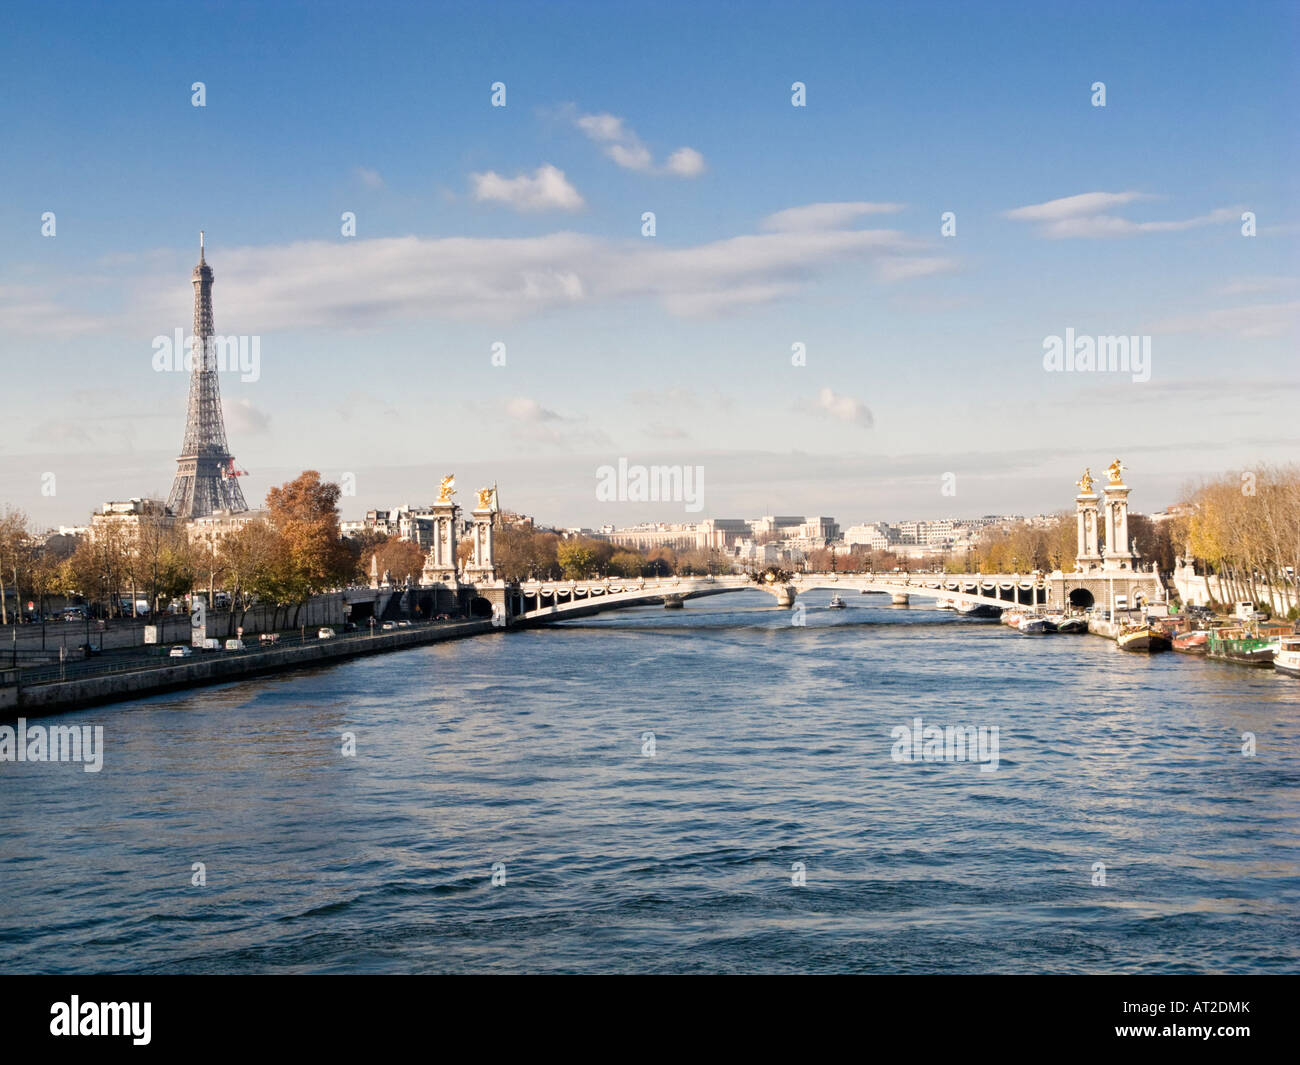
(1119, 553)
(482, 567)
(440, 563)
(1089, 557)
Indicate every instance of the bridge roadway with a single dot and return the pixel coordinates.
(540, 601)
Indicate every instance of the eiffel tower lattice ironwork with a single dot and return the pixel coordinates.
(206, 479)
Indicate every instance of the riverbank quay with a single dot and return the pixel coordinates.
(31, 642)
(115, 682)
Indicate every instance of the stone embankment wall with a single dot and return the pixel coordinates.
(215, 668)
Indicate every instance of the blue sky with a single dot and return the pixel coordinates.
(522, 225)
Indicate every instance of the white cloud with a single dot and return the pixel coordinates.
(621, 144)
(246, 419)
(367, 282)
(538, 426)
(685, 162)
(906, 268)
(824, 215)
(524, 409)
(1084, 216)
(546, 190)
(1088, 203)
(845, 408)
(371, 179)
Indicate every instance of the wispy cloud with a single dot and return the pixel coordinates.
(842, 407)
(906, 268)
(1084, 216)
(371, 179)
(824, 215)
(525, 409)
(1087, 203)
(246, 419)
(536, 425)
(362, 283)
(621, 143)
(546, 189)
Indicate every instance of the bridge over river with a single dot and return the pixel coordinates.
(541, 601)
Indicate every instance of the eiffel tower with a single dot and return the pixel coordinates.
(205, 476)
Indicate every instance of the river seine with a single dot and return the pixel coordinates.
(711, 789)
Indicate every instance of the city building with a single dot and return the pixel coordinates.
(211, 528)
(128, 515)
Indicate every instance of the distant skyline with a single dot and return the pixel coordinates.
(775, 226)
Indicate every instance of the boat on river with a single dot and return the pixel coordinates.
(978, 610)
(836, 603)
(1195, 642)
(1287, 659)
(1144, 636)
(1074, 624)
(1242, 646)
(1033, 625)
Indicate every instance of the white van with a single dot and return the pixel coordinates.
(234, 645)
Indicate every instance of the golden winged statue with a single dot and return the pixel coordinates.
(447, 489)
(1116, 470)
(485, 498)
(1084, 483)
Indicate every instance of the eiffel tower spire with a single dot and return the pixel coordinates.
(205, 472)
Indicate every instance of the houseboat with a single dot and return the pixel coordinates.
(1287, 659)
(1244, 646)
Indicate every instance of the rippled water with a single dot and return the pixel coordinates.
(772, 746)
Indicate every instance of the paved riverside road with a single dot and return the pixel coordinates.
(127, 659)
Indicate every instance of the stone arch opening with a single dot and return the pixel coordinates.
(480, 607)
(1082, 598)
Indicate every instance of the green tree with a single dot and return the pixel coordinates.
(576, 558)
(626, 564)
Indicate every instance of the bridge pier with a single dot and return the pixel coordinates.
(901, 599)
(785, 596)
(673, 602)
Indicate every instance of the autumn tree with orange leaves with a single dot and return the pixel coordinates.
(309, 555)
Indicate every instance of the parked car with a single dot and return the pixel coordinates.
(180, 651)
(324, 633)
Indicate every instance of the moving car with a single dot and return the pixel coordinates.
(324, 633)
(180, 651)
(234, 645)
